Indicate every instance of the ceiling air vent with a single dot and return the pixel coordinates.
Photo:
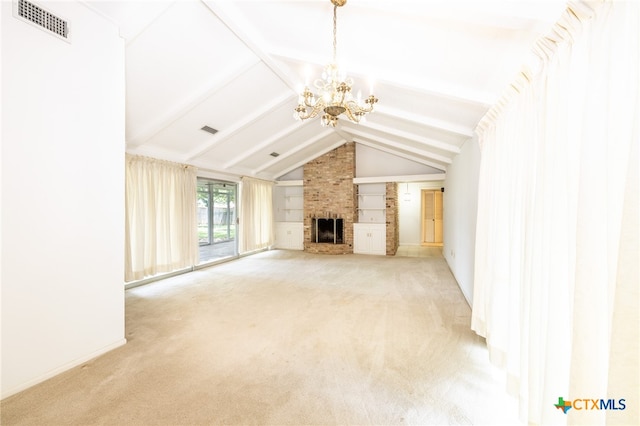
(210, 130)
(274, 154)
(42, 18)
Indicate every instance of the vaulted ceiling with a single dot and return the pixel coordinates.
(437, 66)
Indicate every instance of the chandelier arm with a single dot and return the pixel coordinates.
(311, 103)
(356, 112)
(312, 111)
(356, 107)
(349, 113)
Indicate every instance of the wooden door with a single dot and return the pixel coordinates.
(431, 216)
(437, 217)
(428, 224)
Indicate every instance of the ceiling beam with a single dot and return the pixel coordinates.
(232, 20)
(422, 87)
(274, 138)
(432, 143)
(434, 123)
(192, 101)
(239, 125)
(298, 148)
(441, 160)
(311, 157)
(400, 154)
(430, 88)
(131, 18)
(476, 16)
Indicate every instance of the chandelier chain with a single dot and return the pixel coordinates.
(335, 31)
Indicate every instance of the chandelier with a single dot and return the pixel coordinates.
(333, 92)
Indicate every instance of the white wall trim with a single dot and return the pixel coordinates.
(290, 182)
(405, 178)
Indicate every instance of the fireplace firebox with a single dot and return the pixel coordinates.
(327, 230)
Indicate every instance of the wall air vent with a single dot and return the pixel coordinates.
(210, 130)
(42, 18)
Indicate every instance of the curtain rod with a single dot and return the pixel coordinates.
(129, 156)
(255, 178)
(544, 49)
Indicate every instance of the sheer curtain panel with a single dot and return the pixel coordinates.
(556, 267)
(256, 214)
(160, 226)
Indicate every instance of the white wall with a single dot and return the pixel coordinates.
(62, 195)
(371, 162)
(295, 174)
(460, 210)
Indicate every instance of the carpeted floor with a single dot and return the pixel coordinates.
(285, 338)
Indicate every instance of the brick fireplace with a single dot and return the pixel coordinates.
(329, 193)
(330, 200)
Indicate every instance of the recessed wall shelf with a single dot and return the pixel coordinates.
(288, 203)
(372, 203)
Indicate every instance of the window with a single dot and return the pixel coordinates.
(216, 209)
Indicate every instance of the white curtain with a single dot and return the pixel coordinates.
(160, 226)
(556, 267)
(256, 214)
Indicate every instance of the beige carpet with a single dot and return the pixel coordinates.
(285, 338)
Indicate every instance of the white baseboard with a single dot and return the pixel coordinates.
(62, 369)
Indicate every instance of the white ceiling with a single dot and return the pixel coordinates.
(436, 65)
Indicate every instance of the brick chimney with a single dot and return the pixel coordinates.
(329, 192)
